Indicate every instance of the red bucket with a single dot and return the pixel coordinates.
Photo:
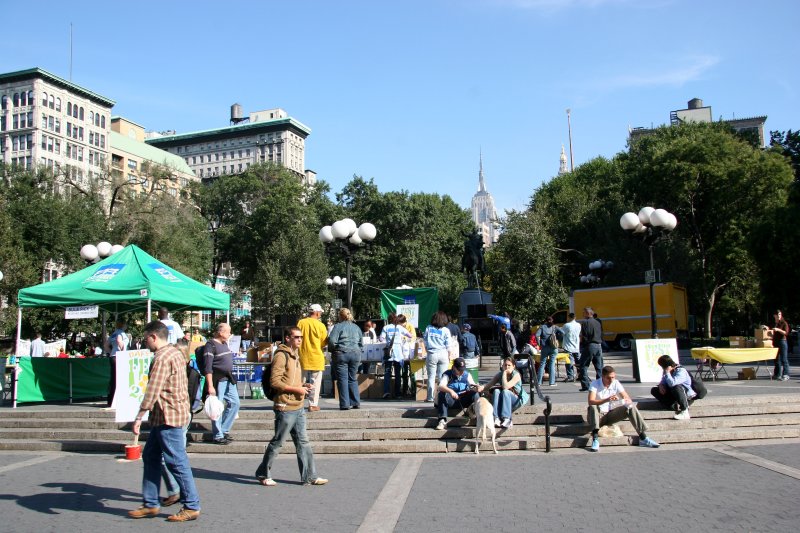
(133, 452)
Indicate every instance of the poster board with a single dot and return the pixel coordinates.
(427, 300)
(234, 342)
(411, 312)
(133, 371)
(647, 353)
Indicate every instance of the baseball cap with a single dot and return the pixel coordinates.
(315, 308)
(459, 363)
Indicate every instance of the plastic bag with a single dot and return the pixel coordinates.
(213, 407)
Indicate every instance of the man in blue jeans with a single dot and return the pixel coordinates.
(456, 390)
(286, 381)
(218, 369)
(167, 400)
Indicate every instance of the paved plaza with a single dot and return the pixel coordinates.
(717, 487)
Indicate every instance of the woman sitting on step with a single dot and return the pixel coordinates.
(508, 394)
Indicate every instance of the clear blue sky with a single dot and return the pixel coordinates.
(407, 92)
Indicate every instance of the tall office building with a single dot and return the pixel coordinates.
(265, 136)
(484, 214)
(49, 121)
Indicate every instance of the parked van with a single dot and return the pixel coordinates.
(625, 311)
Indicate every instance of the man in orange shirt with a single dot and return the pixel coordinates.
(312, 359)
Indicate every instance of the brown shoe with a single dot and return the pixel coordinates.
(144, 512)
(313, 408)
(184, 515)
(170, 500)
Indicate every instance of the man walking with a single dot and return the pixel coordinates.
(591, 347)
(286, 381)
(312, 359)
(175, 330)
(572, 339)
(218, 370)
(167, 399)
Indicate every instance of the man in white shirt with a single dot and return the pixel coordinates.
(174, 329)
(609, 404)
(572, 345)
(37, 346)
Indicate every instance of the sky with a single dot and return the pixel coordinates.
(410, 93)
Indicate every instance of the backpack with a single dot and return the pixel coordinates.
(552, 339)
(698, 387)
(269, 392)
(470, 343)
(193, 377)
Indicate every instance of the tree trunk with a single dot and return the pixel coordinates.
(710, 312)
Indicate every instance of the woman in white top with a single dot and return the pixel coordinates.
(393, 335)
(437, 343)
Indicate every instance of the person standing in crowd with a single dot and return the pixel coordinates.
(675, 389)
(167, 400)
(547, 337)
(609, 404)
(508, 394)
(37, 346)
(290, 416)
(175, 330)
(455, 334)
(345, 344)
(393, 335)
(591, 347)
(508, 344)
(469, 343)
(218, 370)
(408, 350)
(248, 335)
(370, 337)
(780, 334)
(505, 318)
(117, 342)
(572, 345)
(312, 358)
(437, 343)
(456, 390)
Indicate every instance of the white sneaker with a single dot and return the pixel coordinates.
(497, 423)
(441, 424)
(507, 423)
(683, 415)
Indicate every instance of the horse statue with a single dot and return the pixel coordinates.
(472, 260)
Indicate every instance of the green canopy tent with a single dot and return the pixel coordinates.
(426, 299)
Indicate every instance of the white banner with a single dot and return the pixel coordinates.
(81, 311)
(234, 341)
(53, 348)
(133, 371)
(647, 353)
(411, 311)
(23, 348)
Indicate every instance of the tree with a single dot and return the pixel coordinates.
(719, 187)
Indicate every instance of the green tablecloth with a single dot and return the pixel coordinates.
(44, 379)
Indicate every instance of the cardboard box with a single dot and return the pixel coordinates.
(737, 342)
(750, 343)
(762, 333)
(766, 343)
(747, 373)
(421, 390)
(257, 353)
(365, 381)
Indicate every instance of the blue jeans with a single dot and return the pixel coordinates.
(591, 353)
(549, 356)
(504, 402)
(347, 382)
(170, 483)
(170, 443)
(228, 395)
(290, 423)
(387, 376)
(445, 402)
(782, 361)
(436, 363)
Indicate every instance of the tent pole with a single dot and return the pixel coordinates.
(148, 310)
(228, 316)
(104, 334)
(19, 329)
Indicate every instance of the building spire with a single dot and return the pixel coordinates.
(481, 183)
(562, 165)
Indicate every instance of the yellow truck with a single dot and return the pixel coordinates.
(625, 311)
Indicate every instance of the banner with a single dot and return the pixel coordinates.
(133, 371)
(53, 348)
(426, 298)
(234, 341)
(42, 379)
(81, 311)
(411, 312)
(23, 348)
(648, 351)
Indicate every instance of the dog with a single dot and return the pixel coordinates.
(484, 415)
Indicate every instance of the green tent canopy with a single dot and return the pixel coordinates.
(129, 280)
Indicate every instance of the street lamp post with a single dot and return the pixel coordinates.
(335, 283)
(344, 237)
(597, 271)
(93, 253)
(651, 225)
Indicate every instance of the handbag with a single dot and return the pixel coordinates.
(387, 350)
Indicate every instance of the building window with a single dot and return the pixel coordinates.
(80, 115)
(58, 103)
(80, 133)
(194, 159)
(201, 172)
(4, 102)
(91, 116)
(131, 164)
(44, 99)
(69, 108)
(103, 122)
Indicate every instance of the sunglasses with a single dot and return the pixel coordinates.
(297, 336)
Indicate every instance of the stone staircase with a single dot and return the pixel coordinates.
(379, 430)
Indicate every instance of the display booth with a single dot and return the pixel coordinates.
(130, 280)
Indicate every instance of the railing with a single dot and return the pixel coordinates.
(546, 399)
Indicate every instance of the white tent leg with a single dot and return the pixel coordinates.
(149, 310)
(19, 329)
(228, 316)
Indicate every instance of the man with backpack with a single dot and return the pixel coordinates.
(469, 343)
(548, 338)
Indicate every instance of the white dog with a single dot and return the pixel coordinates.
(484, 414)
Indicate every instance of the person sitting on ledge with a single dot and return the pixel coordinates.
(456, 389)
(675, 389)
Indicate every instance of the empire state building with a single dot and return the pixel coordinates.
(484, 214)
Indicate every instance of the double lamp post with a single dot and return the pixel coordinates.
(346, 238)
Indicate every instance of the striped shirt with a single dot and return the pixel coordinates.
(167, 393)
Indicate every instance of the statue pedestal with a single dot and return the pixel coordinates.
(472, 297)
